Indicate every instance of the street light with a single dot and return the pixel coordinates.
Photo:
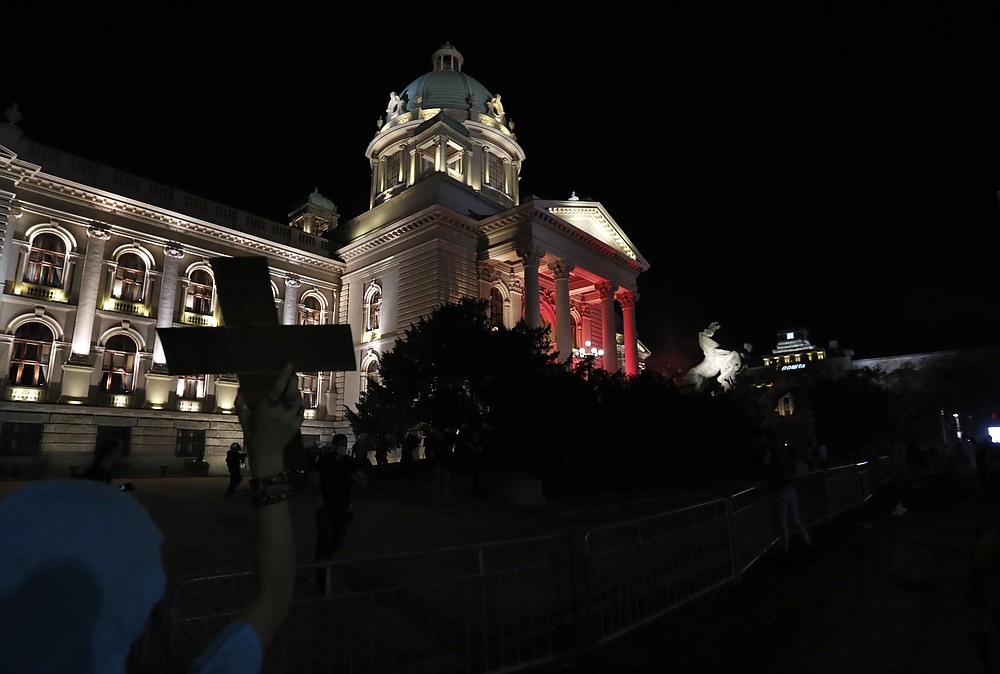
(590, 352)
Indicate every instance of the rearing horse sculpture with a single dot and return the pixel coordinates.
(718, 361)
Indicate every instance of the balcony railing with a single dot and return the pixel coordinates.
(35, 291)
(200, 320)
(125, 307)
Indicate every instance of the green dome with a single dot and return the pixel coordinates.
(446, 86)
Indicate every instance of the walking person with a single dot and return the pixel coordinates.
(334, 474)
(779, 463)
(234, 462)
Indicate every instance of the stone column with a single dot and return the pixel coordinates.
(158, 382)
(78, 370)
(606, 290)
(86, 309)
(168, 298)
(291, 306)
(564, 325)
(532, 299)
(627, 299)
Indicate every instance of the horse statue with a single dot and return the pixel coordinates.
(721, 363)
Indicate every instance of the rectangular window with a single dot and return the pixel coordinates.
(308, 389)
(494, 171)
(45, 267)
(19, 438)
(191, 386)
(190, 443)
(393, 175)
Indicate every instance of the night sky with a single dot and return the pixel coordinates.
(827, 166)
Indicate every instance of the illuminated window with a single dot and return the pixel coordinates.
(494, 172)
(393, 170)
(46, 261)
(130, 278)
(191, 386)
(373, 308)
(119, 364)
(786, 406)
(199, 293)
(312, 311)
(29, 362)
(309, 389)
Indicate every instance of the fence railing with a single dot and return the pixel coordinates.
(509, 605)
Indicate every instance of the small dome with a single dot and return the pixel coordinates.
(318, 200)
(446, 86)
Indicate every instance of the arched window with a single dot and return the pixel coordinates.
(119, 364)
(199, 292)
(312, 311)
(496, 308)
(130, 278)
(369, 370)
(373, 308)
(29, 362)
(46, 261)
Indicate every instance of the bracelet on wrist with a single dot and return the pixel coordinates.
(279, 478)
(263, 496)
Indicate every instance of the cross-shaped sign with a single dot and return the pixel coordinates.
(252, 343)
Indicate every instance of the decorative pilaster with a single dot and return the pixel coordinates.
(292, 283)
(606, 291)
(531, 257)
(168, 299)
(564, 326)
(627, 299)
(78, 369)
(90, 283)
(158, 382)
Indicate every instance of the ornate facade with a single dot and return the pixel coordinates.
(94, 259)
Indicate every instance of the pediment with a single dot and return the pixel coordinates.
(592, 219)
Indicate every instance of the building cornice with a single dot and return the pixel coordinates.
(431, 216)
(80, 196)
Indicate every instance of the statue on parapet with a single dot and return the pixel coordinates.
(723, 364)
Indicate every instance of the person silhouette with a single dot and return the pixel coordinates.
(234, 463)
(80, 567)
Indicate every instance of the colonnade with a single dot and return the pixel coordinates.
(607, 291)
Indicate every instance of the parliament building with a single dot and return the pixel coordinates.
(95, 259)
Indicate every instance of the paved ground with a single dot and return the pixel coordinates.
(917, 618)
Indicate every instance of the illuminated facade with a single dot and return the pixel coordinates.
(94, 259)
(446, 221)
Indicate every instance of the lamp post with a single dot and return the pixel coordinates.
(588, 354)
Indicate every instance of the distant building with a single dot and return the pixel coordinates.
(94, 259)
(784, 377)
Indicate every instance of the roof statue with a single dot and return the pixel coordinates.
(721, 363)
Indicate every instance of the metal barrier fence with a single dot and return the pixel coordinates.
(509, 605)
